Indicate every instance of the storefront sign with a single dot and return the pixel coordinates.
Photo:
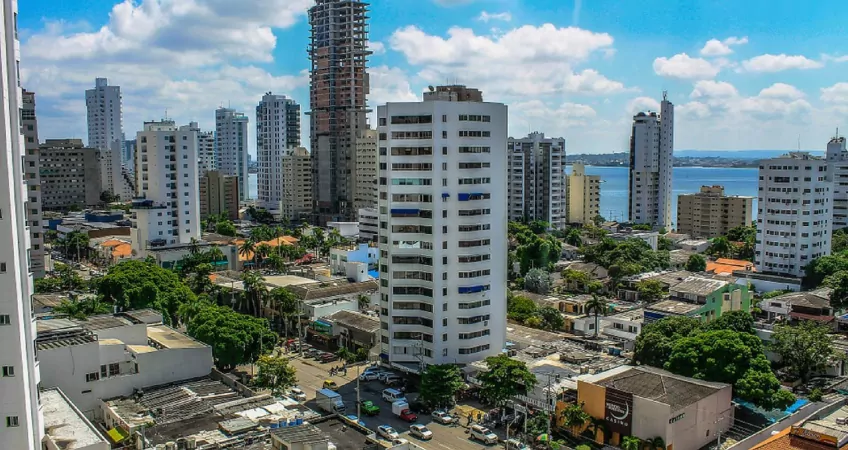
(618, 411)
(813, 436)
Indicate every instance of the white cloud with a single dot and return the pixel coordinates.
(377, 47)
(639, 104)
(390, 84)
(684, 67)
(838, 93)
(693, 110)
(486, 17)
(713, 89)
(782, 90)
(778, 63)
(714, 47)
(833, 58)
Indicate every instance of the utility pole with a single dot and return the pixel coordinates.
(358, 372)
(718, 429)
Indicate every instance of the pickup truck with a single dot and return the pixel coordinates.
(369, 408)
(401, 409)
(329, 401)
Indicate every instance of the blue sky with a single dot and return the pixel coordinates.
(743, 75)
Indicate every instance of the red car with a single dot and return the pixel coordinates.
(408, 416)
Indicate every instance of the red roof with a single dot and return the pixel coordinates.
(817, 318)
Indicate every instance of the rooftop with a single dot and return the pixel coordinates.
(344, 437)
(288, 280)
(324, 290)
(699, 286)
(104, 322)
(306, 434)
(826, 423)
(660, 386)
(64, 424)
(167, 337)
(148, 316)
(673, 307)
(530, 336)
(356, 320)
(820, 298)
(725, 266)
(633, 315)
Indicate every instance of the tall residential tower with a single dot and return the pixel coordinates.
(536, 179)
(106, 133)
(20, 413)
(277, 135)
(443, 229)
(837, 160)
(584, 195)
(231, 146)
(338, 85)
(33, 179)
(651, 159)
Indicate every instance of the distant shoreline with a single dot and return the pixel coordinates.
(688, 167)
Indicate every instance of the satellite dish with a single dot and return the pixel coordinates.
(431, 88)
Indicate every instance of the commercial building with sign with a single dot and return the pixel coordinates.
(648, 403)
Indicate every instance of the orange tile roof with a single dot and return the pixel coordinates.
(727, 266)
(779, 441)
(122, 250)
(282, 240)
(112, 243)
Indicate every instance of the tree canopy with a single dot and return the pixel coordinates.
(235, 338)
(439, 383)
(627, 257)
(696, 263)
(805, 348)
(504, 379)
(275, 373)
(650, 290)
(537, 281)
(535, 249)
(137, 284)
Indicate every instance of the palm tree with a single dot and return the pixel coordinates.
(598, 306)
(656, 443)
(631, 443)
(286, 304)
(248, 249)
(363, 301)
(573, 416)
(262, 251)
(254, 288)
(573, 238)
(194, 246)
(214, 255)
(597, 426)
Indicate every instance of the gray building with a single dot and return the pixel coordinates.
(70, 174)
(29, 123)
(536, 179)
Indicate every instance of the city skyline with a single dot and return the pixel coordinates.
(738, 83)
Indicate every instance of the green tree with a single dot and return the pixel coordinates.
(80, 309)
(650, 290)
(631, 443)
(815, 395)
(439, 384)
(839, 241)
(537, 281)
(573, 417)
(656, 443)
(696, 263)
(363, 301)
(839, 283)
(505, 378)
(739, 321)
(275, 373)
(551, 318)
(806, 348)
(225, 228)
(821, 268)
(286, 304)
(135, 284)
(573, 238)
(254, 290)
(597, 306)
(519, 308)
(664, 243)
(655, 342)
(235, 338)
(719, 247)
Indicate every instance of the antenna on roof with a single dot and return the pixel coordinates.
(665, 95)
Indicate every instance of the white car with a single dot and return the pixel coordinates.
(443, 417)
(421, 432)
(387, 432)
(368, 376)
(399, 441)
(297, 394)
(383, 375)
(483, 434)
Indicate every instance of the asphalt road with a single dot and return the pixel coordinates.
(311, 375)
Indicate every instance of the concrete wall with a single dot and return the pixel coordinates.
(650, 419)
(66, 367)
(701, 421)
(166, 366)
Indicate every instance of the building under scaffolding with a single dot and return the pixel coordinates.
(338, 86)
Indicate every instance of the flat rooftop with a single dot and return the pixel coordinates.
(104, 322)
(530, 336)
(287, 280)
(636, 315)
(827, 425)
(343, 436)
(673, 307)
(168, 337)
(64, 424)
(660, 386)
(698, 286)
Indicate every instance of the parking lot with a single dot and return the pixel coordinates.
(311, 375)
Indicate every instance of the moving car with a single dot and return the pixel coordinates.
(421, 432)
(330, 384)
(482, 434)
(393, 395)
(369, 408)
(387, 432)
(297, 394)
(368, 376)
(443, 418)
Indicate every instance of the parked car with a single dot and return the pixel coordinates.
(515, 444)
(482, 434)
(387, 432)
(393, 395)
(421, 432)
(443, 418)
(353, 419)
(368, 376)
(393, 380)
(369, 408)
(382, 375)
(330, 384)
(329, 357)
(297, 394)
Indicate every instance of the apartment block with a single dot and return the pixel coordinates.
(205, 150)
(365, 195)
(584, 195)
(219, 195)
(21, 411)
(166, 210)
(106, 133)
(709, 213)
(442, 229)
(369, 224)
(536, 179)
(29, 122)
(277, 135)
(231, 146)
(651, 166)
(70, 175)
(794, 213)
(297, 183)
(837, 160)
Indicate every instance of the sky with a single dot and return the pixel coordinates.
(753, 74)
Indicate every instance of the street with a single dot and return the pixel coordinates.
(311, 375)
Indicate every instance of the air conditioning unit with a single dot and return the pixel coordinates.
(485, 323)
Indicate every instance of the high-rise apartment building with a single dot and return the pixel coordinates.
(837, 160)
(205, 150)
(70, 175)
(219, 195)
(338, 49)
(231, 146)
(277, 135)
(651, 161)
(584, 195)
(128, 155)
(20, 413)
(536, 179)
(443, 229)
(365, 193)
(794, 213)
(166, 210)
(106, 133)
(709, 213)
(29, 123)
(297, 185)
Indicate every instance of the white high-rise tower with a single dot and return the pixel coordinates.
(106, 133)
(651, 161)
(837, 161)
(231, 146)
(20, 416)
(277, 135)
(444, 226)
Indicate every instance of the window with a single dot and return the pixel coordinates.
(114, 369)
(8, 371)
(93, 376)
(11, 421)
(5, 319)
(2, 267)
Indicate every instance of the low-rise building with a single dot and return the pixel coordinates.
(584, 195)
(346, 229)
(368, 224)
(825, 429)
(345, 260)
(704, 298)
(65, 427)
(652, 238)
(624, 327)
(354, 330)
(694, 245)
(726, 266)
(709, 213)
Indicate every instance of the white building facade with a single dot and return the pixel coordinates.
(167, 209)
(651, 163)
(106, 133)
(365, 189)
(231, 146)
(277, 135)
(837, 160)
(205, 150)
(794, 213)
(20, 413)
(442, 230)
(536, 183)
(369, 224)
